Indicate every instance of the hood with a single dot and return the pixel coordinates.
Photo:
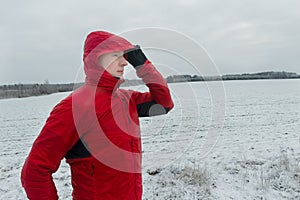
(96, 44)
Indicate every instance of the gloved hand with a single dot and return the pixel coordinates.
(135, 56)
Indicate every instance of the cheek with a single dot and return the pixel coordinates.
(105, 62)
(112, 66)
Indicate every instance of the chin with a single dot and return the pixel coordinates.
(119, 77)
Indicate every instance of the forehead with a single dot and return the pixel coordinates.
(108, 57)
(115, 52)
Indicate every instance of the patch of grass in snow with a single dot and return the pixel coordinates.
(277, 177)
(282, 175)
(194, 176)
(176, 182)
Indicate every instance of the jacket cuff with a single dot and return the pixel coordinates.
(144, 69)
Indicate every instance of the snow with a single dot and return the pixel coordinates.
(255, 154)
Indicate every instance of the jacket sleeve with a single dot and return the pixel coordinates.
(158, 100)
(55, 139)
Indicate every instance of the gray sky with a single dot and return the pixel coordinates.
(44, 39)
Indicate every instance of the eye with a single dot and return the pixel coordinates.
(116, 55)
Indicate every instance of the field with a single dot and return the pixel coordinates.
(245, 146)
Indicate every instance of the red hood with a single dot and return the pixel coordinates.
(96, 44)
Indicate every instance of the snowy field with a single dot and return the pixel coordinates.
(256, 156)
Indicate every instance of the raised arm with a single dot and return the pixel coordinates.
(158, 100)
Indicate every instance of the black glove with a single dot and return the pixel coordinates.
(135, 56)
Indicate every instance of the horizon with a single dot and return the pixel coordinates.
(53, 83)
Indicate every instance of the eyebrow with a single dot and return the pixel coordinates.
(118, 52)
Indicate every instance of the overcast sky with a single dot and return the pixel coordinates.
(44, 39)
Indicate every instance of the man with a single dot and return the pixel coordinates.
(96, 128)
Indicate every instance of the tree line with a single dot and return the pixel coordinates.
(245, 76)
(26, 90)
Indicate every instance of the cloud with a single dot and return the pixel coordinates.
(44, 40)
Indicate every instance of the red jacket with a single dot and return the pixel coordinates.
(96, 129)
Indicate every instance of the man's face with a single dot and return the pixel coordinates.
(113, 63)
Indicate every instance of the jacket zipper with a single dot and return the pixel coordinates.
(131, 144)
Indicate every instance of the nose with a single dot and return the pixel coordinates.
(123, 61)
